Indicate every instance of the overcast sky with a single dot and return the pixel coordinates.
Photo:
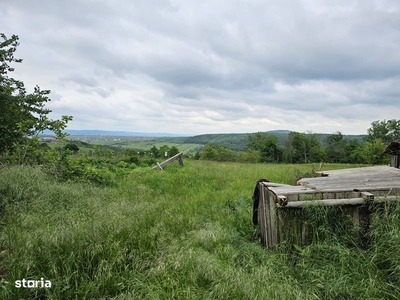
(211, 66)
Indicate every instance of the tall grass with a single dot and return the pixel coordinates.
(182, 233)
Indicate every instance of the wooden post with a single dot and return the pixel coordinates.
(162, 165)
(267, 216)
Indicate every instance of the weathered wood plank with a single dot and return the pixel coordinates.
(327, 202)
(353, 189)
(262, 214)
(178, 157)
(337, 202)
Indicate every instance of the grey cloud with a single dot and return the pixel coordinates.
(80, 80)
(217, 60)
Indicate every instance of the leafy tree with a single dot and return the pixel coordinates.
(288, 149)
(216, 152)
(129, 152)
(266, 144)
(173, 151)
(250, 156)
(197, 155)
(387, 131)
(164, 149)
(372, 152)
(72, 147)
(303, 148)
(23, 116)
(353, 152)
(336, 148)
(154, 152)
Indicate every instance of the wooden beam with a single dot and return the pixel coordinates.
(367, 196)
(162, 165)
(337, 202)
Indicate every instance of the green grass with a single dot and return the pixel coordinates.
(139, 143)
(182, 233)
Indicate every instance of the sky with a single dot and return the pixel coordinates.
(211, 66)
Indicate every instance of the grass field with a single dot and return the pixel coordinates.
(139, 143)
(146, 145)
(182, 233)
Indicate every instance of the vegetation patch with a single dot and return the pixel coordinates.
(182, 233)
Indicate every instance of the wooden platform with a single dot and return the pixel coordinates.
(354, 188)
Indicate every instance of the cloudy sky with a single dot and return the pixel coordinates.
(211, 66)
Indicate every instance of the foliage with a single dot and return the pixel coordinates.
(22, 116)
(303, 148)
(72, 147)
(336, 147)
(386, 131)
(372, 152)
(154, 152)
(309, 148)
(266, 144)
(184, 233)
(233, 141)
(216, 152)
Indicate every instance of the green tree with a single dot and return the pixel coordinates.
(164, 150)
(213, 151)
(354, 152)
(129, 152)
(266, 144)
(387, 131)
(336, 148)
(154, 152)
(173, 151)
(71, 147)
(372, 152)
(303, 148)
(23, 116)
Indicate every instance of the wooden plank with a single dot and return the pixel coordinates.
(370, 176)
(262, 213)
(327, 202)
(361, 170)
(273, 219)
(268, 218)
(169, 160)
(338, 202)
(274, 184)
(367, 196)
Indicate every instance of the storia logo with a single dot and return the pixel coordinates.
(33, 283)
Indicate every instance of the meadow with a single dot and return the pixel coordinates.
(139, 143)
(181, 233)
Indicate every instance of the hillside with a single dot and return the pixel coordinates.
(234, 141)
(238, 141)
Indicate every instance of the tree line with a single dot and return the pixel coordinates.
(308, 147)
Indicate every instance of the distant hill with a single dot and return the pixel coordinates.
(234, 141)
(118, 133)
(238, 141)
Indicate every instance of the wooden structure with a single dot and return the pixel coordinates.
(351, 189)
(394, 150)
(162, 165)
